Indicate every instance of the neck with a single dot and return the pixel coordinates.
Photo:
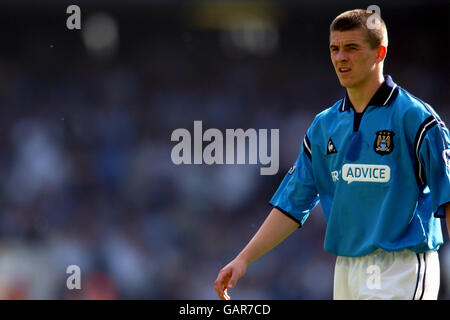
(361, 94)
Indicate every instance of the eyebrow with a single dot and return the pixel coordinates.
(346, 45)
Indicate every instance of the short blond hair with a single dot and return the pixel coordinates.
(357, 19)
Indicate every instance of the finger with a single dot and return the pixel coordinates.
(233, 280)
(217, 286)
(220, 284)
(219, 291)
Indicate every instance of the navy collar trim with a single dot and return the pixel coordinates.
(385, 94)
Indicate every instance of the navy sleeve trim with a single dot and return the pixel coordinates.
(429, 123)
(288, 215)
(307, 147)
(442, 216)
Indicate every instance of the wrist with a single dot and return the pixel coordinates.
(243, 258)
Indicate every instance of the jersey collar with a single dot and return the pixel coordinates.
(385, 94)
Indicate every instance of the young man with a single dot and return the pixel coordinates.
(379, 161)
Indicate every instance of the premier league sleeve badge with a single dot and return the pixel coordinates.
(446, 156)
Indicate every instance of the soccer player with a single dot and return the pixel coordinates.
(379, 162)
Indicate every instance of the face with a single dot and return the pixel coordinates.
(353, 59)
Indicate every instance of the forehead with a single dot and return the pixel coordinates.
(342, 37)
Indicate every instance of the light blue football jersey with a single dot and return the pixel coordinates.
(382, 176)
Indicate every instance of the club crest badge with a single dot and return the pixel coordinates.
(446, 156)
(384, 142)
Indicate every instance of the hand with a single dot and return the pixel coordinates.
(228, 277)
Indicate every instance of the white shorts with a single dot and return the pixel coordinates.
(397, 275)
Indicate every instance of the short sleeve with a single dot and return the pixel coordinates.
(297, 194)
(434, 155)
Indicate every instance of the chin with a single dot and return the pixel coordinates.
(350, 82)
(346, 83)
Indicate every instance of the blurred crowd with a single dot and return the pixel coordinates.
(87, 177)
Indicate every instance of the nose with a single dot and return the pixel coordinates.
(340, 56)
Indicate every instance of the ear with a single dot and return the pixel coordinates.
(381, 54)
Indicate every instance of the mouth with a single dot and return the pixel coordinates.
(344, 70)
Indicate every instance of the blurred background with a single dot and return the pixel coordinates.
(85, 124)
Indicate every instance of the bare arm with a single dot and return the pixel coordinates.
(273, 231)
